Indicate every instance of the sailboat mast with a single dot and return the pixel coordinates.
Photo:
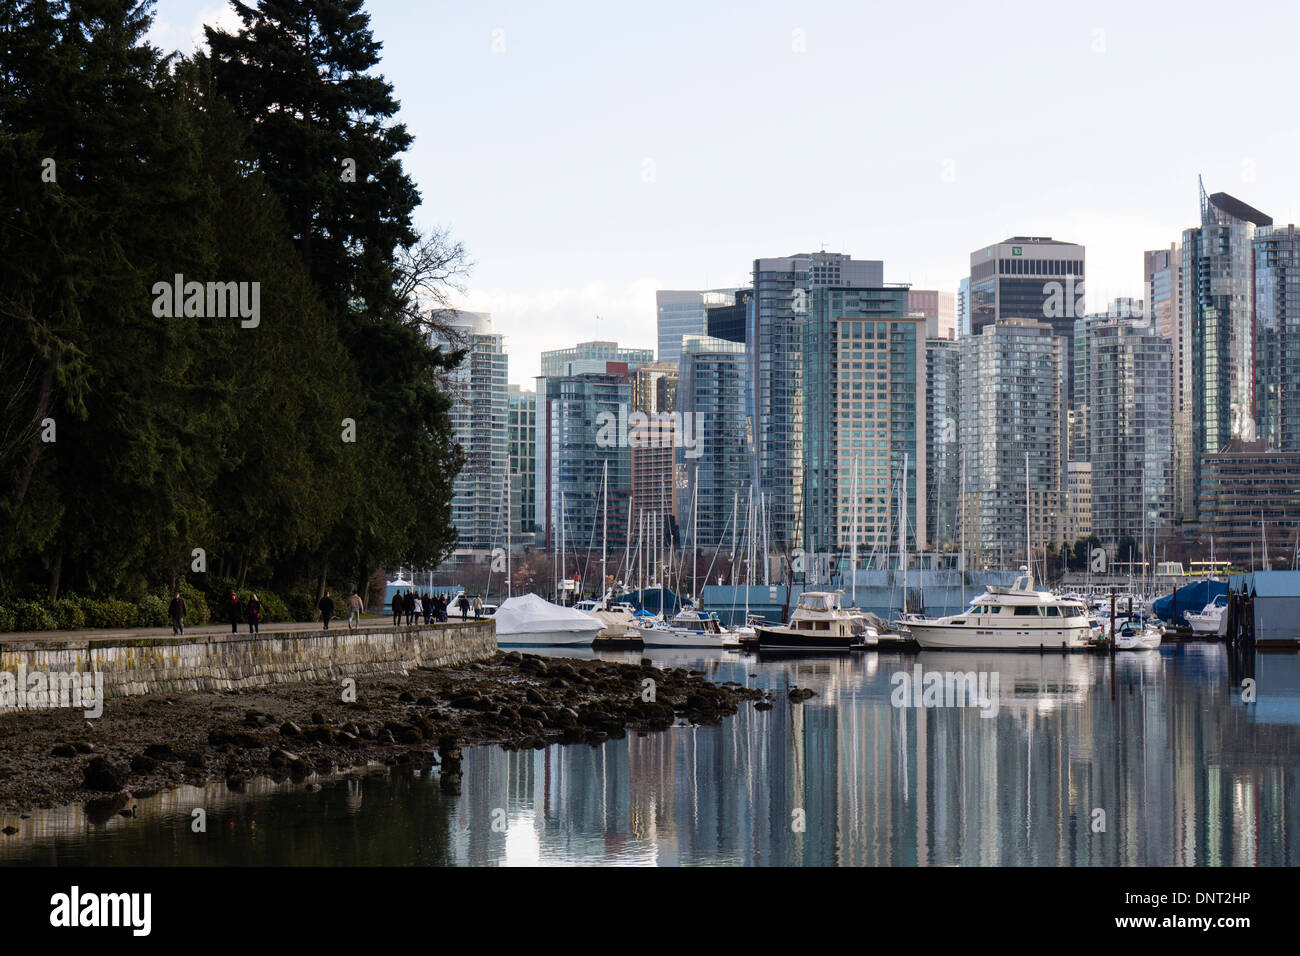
(961, 561)
(853, 553)
(1029, 554)
(604, 525)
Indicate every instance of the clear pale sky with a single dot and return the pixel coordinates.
(590, 153)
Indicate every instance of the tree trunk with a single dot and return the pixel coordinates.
(34, 453)
(55, 573)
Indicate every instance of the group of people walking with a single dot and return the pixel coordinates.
(412, 607)
(406, 605)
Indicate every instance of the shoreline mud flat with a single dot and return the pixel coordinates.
(147, 744)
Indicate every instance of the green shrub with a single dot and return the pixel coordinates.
(273, 607)
(8, 619)
(109, 612)
(34, 616)
(152, 611)
(301, 606)
(68, 613)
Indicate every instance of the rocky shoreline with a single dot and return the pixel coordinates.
(143, 745)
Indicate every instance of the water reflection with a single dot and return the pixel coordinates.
(1148, 758)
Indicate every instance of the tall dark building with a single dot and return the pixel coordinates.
(728, 321)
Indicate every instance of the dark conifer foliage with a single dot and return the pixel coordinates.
(121, 169)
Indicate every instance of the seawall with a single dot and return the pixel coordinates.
(219, 662)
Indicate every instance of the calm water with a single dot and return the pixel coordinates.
(1184, 772)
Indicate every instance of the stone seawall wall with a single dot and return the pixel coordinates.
(235, 661)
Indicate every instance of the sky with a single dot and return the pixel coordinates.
(588, 154)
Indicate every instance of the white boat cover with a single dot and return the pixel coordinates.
(531, 614)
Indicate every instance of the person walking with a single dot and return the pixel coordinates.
(419, 607)
(410, 608)
(462, 602)
(177, 611)
(355, 607)
(478, 607)
(253, 611)
(326, 605)
(397, 608)
(430, 605)
(233, 612)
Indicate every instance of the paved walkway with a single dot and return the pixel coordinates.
(137, 633)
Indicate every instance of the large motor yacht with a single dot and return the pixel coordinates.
(1015, 618)
(1212, 621)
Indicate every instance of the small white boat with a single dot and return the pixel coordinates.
(1212, 621)
(617, 618)
(1134, 635)
(532, 621)
(690, 627)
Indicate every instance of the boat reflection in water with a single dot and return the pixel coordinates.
(1183, 771)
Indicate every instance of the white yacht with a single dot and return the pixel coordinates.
(1017, 618)
(1212, 621)
(818, 624)
(689, 627)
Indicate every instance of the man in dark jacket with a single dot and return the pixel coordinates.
(410, 608)
(233, 612)
(177, 610)
(399, 604)
(326, 606)
(462, 602)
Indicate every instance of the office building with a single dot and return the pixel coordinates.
(730, 321)
(523, 466)
(939, 309)
(682, 312)
(1277, 337)
(1250, 504)
(943, 443)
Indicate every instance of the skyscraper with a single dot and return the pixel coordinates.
(1162, 273)
(479, 418)
(774, 345)
(1130, 436)
(863, 361)
(523, 466)
(1277, 337)
(1012, 404)
(939, 309)
(1027, 277)
(730, 321)
(943, 441)
(588, 465)
(585, 357)
(716, 472)
(683, 312)
(1218, 324)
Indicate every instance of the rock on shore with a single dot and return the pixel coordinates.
(142, 745)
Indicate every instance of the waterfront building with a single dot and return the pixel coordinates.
(716, 471)
(587, 462)
(1130, 435)
(963, 307)
(774, 341)
(943, 443)
(479, 413)
(598, 357)
(1162, 271)
(1218, 321)
(685, 312)
(1013, 403)
(1250, 503)
(523, 466)
(863, 360)
(1277, 337)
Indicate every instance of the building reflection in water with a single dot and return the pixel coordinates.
(1159, 746)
